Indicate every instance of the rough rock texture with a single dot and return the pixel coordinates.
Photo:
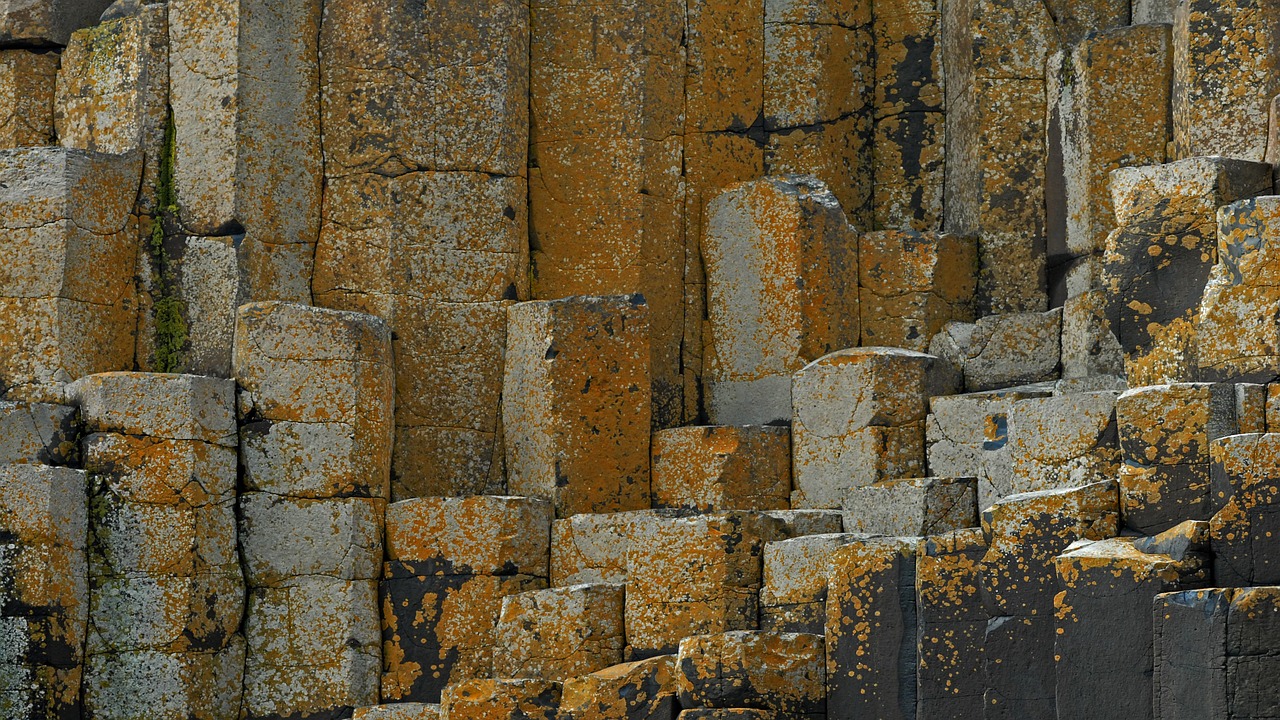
(560, 633)
(639, 690)
(858, 417)
(911, 284)
(27, 82)
(951, 624)
(782, 291)
(1243, 534)
(398, 711)
(593, 548)
(501, 700)
(781, 672)
(912, 506)
(793, 597)
(1236, 340)
(718, 467)
(38, 433)
(481, 535)
(46, 22)
(1063, 441)
(1000, 351)
(576, 410)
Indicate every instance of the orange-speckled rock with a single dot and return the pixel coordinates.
(951, 624)
(1063, 441)
(67, 301)
(27, 82)
(113, 91)
(168, 614)
(727, 714)
(283, 538)
(482, 535)
(1217, 65)
(871, 608)
(858, 418)
(576, 405)
(592, 548)
(501, 700)
(312, 648)
(1104, 624)
(912, 284)
(1244, 533)
(1000, 351)
(606, 194)
(41, 691)
(439, 256)
(560, 633)
(152, 471)
(45, 22)
(324, 379)
(912, 506)
(1165, 435)
(161, 406)
(398, 711)
(693, 576)
(256, 166)
(1088, 346)
(149, 683)
(793, 597)
(797, 523)
(1018, 582)
(722, 467)
(781, 264)
(782, 672)
(38, 433)
(1234, 342)
(968, 436)
(639, 690)
(1160, 256)
(131, 537)
(1109, 108)
(440, 629)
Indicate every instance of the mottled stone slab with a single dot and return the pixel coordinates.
(148, 683)
(501, 700)
(27, 81)
(1245, 532)
(1001, 351)
(793, 596)
(722, 467)
(1063, 441)
(911, 284)
(560, 633)
(912, 507)
(1232, 344)
(639, 690)
(398, 711)
(158, 405)
(781, 672)
(951, 624)
(38, 433)
(593, 547)
(482, 535)
(282, 538)
(46, 22)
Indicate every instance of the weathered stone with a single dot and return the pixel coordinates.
(170, 614)
(1063, 441)
(1216, 65)
(398, 711)
(182, 475)
(727, 714)
(40, 692)
(640, 690)
(1245, 532)
(1018, 583)
(312, 648)
(501, 700)
(1000, 351)
(693, 576)
(27, 82)
(781, 265)
(1104, 624)
(283, 538)
(592, 548)
(1109, 108)
(481, 535)
(560, 633)
(38, 433)
(205, 274)
(153, 684)
(1160, 256)
(47, 22)
(793, 597)
(859, 418)
(576, 409)
(912, 284)
(951, 623)
(67, 301)
(716, 468)
(797, 523)
(606, 195)
(1165, 435)
(1236, 341)
(782, 672)
(912, 506)
(968, 436)
(158, 405)
(870, 629)
(1089, 348)
(327, 369)
(254, 169)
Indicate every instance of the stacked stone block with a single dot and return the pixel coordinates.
(27, 81)
(793, 596)
(425, 115)
(44, 590)
(501, 700)
(167, 593)
(950, 626)
(717, 468)
(859, 417)
(1243, 534)
(47, 23)
(560, 633)
(911, 284)
(1001, 351)
(451, 562)
(912, 506)
(783, 673)
(1063, 441)
(316, 393)
(782, 291)
(639, 690)
(39, 433)
(576, 412)
(593, 547)
(1235, 340)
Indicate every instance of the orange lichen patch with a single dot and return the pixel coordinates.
(398, 711)
(476, 535)
(1237, 340)
(782, 672)
(718, 467)
(952, 623)
(203, 684)
(576, 403)
(27, 81)
(858, 417)
(561, 633)
(158, 405)
(592, 548)
(1244, 534)
(640, 689)
(501, 700)
(781, 263)
(793, 596)
(692, 576)
(912, 284)
(1063, 441)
